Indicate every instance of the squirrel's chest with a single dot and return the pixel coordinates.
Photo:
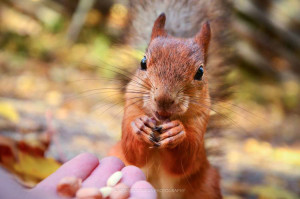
(165, 184)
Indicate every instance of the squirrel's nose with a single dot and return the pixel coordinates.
(164, 100)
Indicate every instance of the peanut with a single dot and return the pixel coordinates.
(120, 191)
(88, 193)
(68, 186)
(105, 191)
(114, 179)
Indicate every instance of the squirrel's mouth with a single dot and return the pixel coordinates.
(162, 115)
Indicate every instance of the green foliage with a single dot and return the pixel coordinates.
(272, 192)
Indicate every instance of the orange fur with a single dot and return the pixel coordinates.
(168, 88)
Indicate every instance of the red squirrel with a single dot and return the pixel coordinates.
(166, 116)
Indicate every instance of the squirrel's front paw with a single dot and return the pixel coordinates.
(142, 127)
(173, 133)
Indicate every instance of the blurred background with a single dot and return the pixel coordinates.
(63, 63)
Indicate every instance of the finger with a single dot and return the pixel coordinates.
(171, 132)
(106, 168)
(154, 137)
(132, 174)
(172, 141)
(141, 134)
(147, 138)
(10, 188)
(81, 167)
(167, 126)
(150, 122)
(135, 129)
(141, 126)
(142, 190)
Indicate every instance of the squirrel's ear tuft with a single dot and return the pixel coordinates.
(203, 38)
(159, 27)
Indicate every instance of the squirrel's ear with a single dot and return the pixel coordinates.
(159, 27)
(203, 38)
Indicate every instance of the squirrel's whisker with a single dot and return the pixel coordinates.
(122, 74)
(228, 103)
(107, 79)
(123, 70)
(115, 104)
(225, 117)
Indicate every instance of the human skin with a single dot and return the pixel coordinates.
(86, 166)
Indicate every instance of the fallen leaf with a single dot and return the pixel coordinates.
(9, 112)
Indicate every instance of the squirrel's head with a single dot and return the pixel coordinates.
(174, 71)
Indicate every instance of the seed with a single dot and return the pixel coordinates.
(88, 193)
(68, 186)
(105, 191)
(114, 179)
(120, 191)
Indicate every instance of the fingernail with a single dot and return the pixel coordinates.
(156, 144)
(151, 139)
(166, 121)
(157, 128)
(153, 120)
(154, 137)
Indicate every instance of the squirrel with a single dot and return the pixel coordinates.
(167, 101)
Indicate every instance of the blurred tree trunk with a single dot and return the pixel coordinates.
(78, 19)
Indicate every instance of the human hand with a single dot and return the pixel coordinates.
(93, 172)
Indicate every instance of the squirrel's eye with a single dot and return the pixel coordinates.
(199, 73)
(144, 63)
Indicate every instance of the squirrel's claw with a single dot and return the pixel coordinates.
(157, 129)
(142, 128)
(173, 134)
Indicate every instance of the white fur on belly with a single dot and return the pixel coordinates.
(163, 182)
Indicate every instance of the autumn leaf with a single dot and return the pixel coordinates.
(8, 112)
(31, 169)
(36, 167)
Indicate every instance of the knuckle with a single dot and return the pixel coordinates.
(132, 124)
(143, 118)
(147, 120)
(183, 133)
(138, 126)
(179, 129)
(148, 131)
(177, 123)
